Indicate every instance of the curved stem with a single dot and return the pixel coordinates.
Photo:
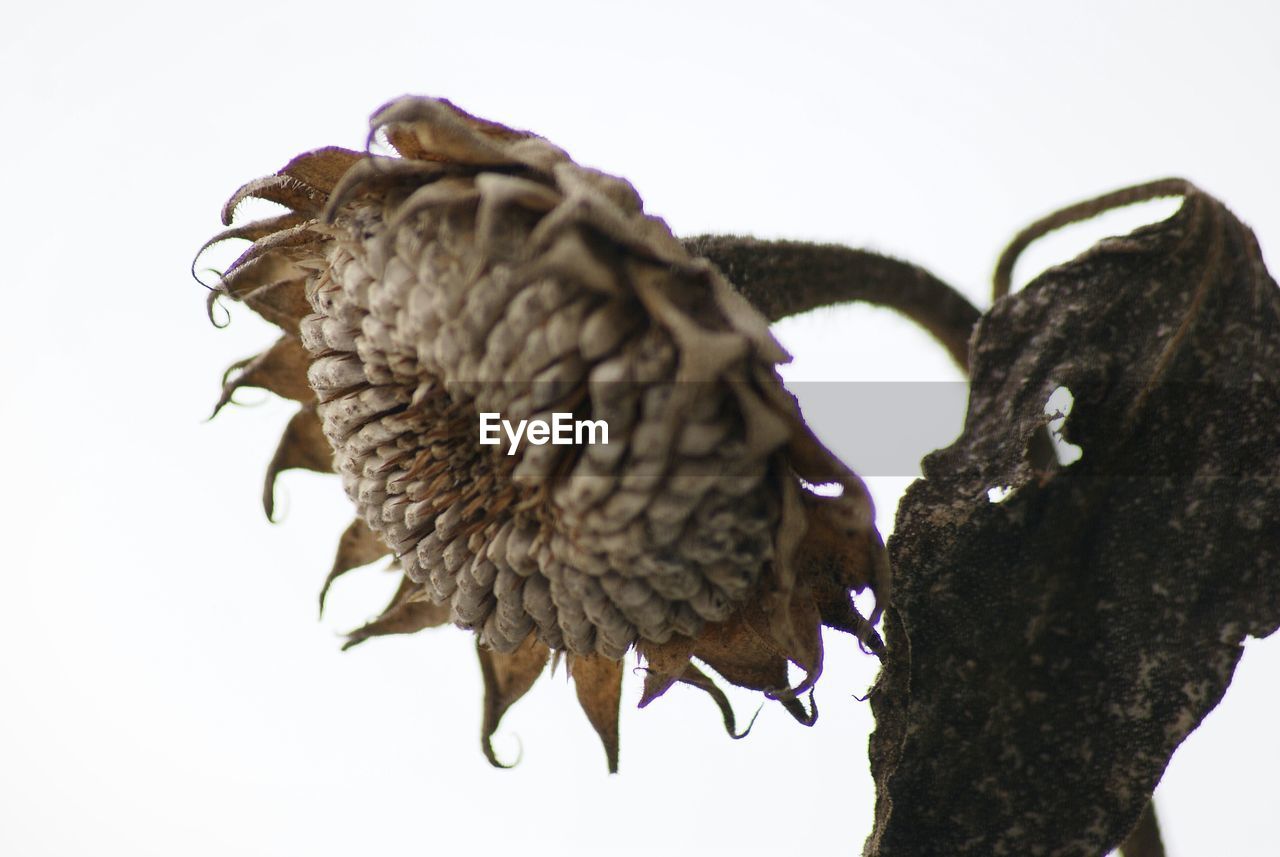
(783, 278)
(1075, 213)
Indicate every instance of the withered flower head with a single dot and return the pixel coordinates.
(484, 272)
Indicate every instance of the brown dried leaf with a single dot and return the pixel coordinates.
(1049, 651)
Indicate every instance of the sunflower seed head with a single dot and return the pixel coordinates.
(483, 271)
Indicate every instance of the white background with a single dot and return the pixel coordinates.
(166, 686)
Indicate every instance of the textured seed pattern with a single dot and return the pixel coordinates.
(430, 309)
(483, 271)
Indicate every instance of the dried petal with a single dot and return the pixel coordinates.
(282, 369)
(322, 168)
(282, 189)
(406, 614)
(283, 303)
(358, 547)
(304, 446)
(507, 677)
(598, 681)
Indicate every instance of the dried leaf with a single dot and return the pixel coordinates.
(1049, 651)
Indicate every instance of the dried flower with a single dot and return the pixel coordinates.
(483, 271)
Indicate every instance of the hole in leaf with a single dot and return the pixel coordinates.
(999, 494)
(1058, 408)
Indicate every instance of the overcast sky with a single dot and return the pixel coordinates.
(167, 686)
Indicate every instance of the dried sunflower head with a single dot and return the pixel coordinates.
(481, 274)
